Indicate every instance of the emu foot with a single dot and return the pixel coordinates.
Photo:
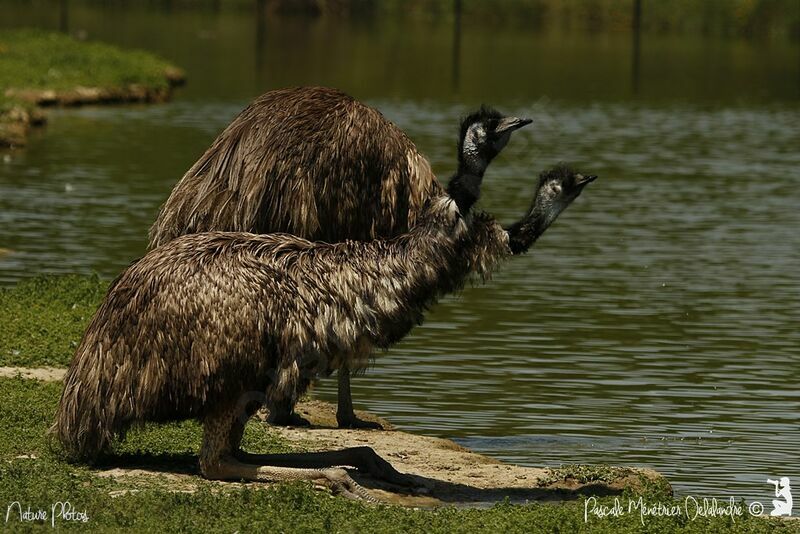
(364, 459)
(340, 483)
(375, 465)
(351, 421)
(335, 479)
(345, 416)
(282, 418)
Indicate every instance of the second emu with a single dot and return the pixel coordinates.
(200, 327)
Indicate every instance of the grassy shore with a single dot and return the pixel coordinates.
(39, 68)
(42, 320)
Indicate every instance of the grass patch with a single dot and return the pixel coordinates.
(35, 59)
(38, 67)
(585, 473)
(43, 317)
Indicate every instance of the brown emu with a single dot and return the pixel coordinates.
(204, 325)
(316, 163)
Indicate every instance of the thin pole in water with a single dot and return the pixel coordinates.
(63, 16)
(636, 58)
(456, 44)
(261, 35)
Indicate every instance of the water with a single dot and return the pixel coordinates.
(655, 324)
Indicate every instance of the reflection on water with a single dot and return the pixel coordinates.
(654, 324)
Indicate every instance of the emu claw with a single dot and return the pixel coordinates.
(356, 423)
(340, 483)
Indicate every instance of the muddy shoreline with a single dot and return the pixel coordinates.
(16, 122)
(80, 95)
(452, 474)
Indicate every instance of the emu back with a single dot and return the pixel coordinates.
(310, 161)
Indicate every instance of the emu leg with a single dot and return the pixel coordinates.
(335, 479)
(281, 412)
(363, 458)
(222, 432)
(345, 416)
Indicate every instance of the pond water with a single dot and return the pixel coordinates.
(655, 324)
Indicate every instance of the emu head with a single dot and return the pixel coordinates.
(484, 134)
(557, 188)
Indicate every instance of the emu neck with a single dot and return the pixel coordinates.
(404, 276)
(524, 233)
(465, 188)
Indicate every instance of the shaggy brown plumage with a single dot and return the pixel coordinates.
(316, 163)
(310, 161)
(199, 327)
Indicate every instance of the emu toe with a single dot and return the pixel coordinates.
(352, 421)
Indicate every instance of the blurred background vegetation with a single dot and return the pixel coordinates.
(759, 19)
(752, 19)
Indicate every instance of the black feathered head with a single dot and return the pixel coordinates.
(557, 188)
(565, 180)
(484, 133)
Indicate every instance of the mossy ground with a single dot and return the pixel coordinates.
(42, 319)
(35, 59)
(53, 68)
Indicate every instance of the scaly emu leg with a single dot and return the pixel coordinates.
(363, 458)
(345, 415)
(222, 431)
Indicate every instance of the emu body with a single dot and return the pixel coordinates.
(207, 317)
(204, 325)
(316, 163)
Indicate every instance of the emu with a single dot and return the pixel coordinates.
(198, 327)
(316, 163)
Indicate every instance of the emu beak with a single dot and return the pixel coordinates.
(582, 180)
(509, 124)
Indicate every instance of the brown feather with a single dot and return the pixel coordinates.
(310, 161)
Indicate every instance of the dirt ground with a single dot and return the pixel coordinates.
(452, 474)
(46, 374)
(446, 472)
